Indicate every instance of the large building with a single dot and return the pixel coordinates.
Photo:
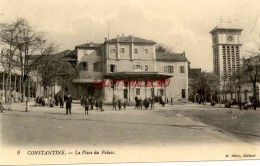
(124, 61)
(227, 45)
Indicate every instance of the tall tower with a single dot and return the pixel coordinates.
(227, 45)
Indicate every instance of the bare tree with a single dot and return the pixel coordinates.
(8, 36)
(160, 47)
(25, 42)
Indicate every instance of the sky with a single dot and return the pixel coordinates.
(183, 25)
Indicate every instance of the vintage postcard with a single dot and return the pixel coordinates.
(115, 81)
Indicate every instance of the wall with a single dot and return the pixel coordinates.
(91, 56)
(178, 82)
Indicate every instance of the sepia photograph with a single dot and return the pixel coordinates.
(129, 81)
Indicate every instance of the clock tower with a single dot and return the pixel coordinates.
(227, 45)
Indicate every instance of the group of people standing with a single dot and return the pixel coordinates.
(89, 102)
(118, 103)
(147, 102)
(55, 101)
(51, 101)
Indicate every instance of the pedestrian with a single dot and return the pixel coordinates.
(171, 100)
(97, 103)
(52, 102)
(68, 104)
(91, 103)
(61, 101)
(57, 100)
(101, 104)
(167, 100)
(124, 103)
(136, 102)
(119, 104)
(140, 103)
(152, 103)
(114, 103)
(86, 104)
(145, 103)
(1, 107)
(45, 101)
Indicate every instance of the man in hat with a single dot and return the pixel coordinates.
(68, 104)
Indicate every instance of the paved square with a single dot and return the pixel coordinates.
(168, 125)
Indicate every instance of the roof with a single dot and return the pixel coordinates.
(226, 25)
(171, 56)
(58, 55)
(88, 45)
(62, 53)
(71, 56)
(131, 38)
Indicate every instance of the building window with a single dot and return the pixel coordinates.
(168, 69)
(112, 68)
(182, 69)
(146, 67)
(136, 51)
(137, 91)
(137, 67)
(122, 50)
(84, 66)
(146, 51)
(97, 67)
(112, 51)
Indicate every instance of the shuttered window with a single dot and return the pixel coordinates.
(181, 69)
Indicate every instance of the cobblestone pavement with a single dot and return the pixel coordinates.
(162, 126)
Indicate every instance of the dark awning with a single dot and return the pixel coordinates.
(87, 81)
(137, 75)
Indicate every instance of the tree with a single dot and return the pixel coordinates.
(24, 42)
(251, 69)
(204, 84)
(8, 36)
(29, 42)
(52, 69)
(160, 47)
(233, 84)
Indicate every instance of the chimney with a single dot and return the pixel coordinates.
(105, 39)
(131, 38)
(122, 34)
(183, 53)
(117, 37)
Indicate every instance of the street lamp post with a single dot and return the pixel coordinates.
(63, 85)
